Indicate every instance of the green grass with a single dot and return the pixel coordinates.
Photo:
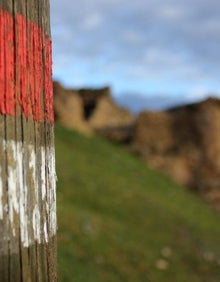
(116, 216)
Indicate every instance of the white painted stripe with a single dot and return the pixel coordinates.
(42, 172)
(28, 195)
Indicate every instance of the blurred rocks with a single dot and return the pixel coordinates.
(69, 110)
(183, 142)
(91, 110)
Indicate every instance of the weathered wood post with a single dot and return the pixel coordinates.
(27, 169)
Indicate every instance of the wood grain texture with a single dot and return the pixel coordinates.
(27, 168)
(39, 14)
(25, 45)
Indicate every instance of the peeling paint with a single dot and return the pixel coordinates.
(42, 173)
(33, 52)
(31, 206)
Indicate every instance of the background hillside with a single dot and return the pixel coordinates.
(121, 221)
(182, 142)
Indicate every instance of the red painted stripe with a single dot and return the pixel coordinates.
(25, 69)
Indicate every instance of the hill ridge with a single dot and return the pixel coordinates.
(122, 221)
(183, 142)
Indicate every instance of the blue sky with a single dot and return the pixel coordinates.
(153, 52)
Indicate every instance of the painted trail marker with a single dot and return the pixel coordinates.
(27, 165)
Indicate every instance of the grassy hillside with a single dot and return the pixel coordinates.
(120, 221)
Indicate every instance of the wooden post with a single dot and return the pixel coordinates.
(27, 168)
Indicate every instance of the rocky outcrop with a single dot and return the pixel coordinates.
(185, 144)
(109, 115)
(89, 110)
(68, 108)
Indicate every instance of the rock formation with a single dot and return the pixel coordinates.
(89, 110)
(69, 110)
(184, 143)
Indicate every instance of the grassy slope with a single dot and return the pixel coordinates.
(115, 216)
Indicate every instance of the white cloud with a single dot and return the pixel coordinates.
(92, 21)
(171, 12)
(197, 93)
(134, 41)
